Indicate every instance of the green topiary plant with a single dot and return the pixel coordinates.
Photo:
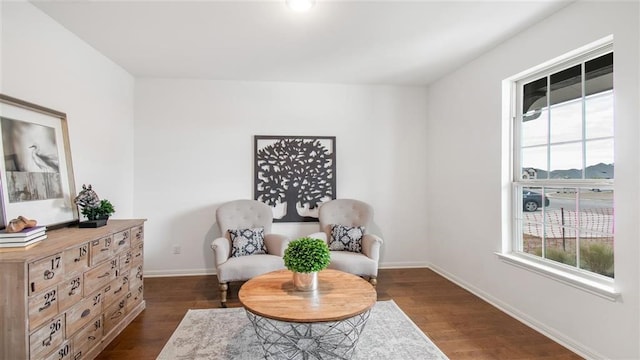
(306, 255)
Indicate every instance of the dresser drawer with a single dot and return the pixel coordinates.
(121, 241)
(47, 338)
(80, 314)
(45, 272)
(114, 314)
(137, 251)
(101, 275)
(70, 291)
(76, 259)
(64, 352)
(115, 289)
(137, 235)
(134, 297)
(126, 259)
(42, 307)
(101, 250)
(87, 338)
(135, 276)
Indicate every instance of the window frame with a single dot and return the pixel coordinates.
(512, 232)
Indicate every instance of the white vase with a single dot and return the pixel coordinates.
(305, 281)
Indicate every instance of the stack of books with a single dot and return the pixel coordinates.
(23, 238)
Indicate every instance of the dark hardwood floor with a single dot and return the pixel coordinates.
(462, 325)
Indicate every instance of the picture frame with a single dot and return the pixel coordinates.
(294, 175)
(36, 171)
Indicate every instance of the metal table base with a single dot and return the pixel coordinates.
(304, 341)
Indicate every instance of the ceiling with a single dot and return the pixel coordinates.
(357, 42)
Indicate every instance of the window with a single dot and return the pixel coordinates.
(563, 165)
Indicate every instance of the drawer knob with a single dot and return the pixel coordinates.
(104, 275)
(48, 275)
(85, 313)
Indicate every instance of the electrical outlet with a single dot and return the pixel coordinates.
(176, 249)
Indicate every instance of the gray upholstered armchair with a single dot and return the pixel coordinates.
(238, 253)
(354, 219)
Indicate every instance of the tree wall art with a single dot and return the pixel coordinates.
(294, 175)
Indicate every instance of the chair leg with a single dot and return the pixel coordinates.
(223, 294)
(373, 280)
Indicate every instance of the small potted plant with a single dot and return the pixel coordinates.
(95, 210)
(100, 212)
(305, 257)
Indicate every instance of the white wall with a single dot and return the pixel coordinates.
(466, 183)
(44, 63)
(194, 151)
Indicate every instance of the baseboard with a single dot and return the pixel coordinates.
(182, 272)
(196, 272)
(402, 265)
(551, 333)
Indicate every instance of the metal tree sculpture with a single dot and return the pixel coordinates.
(295, 171)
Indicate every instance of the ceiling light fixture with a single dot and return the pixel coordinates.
(301, 5)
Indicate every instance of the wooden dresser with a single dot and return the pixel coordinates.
(69, 295)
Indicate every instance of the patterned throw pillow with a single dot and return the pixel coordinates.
(346, 238)
(247, 242)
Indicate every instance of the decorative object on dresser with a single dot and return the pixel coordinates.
(97, 211)
(68, 297)
(19, 224)
(36, 165)
(345, 225)
(25, 237)
(305, 257)
(294, 175)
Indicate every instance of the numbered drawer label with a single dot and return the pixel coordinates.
(80, 314)
(101, 275)
(126, 259)
(45, 272)
(115, 289)
(87, 338)
(76, 259)
(121, 241)
(64, 352)
(70, 292)
(101, 250)
(42, 307)
(47, 338)
(114, 314)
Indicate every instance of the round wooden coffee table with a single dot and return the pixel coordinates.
(320, 324)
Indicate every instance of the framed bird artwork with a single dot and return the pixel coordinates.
(36, 173)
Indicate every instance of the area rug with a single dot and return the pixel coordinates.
(227, 334)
